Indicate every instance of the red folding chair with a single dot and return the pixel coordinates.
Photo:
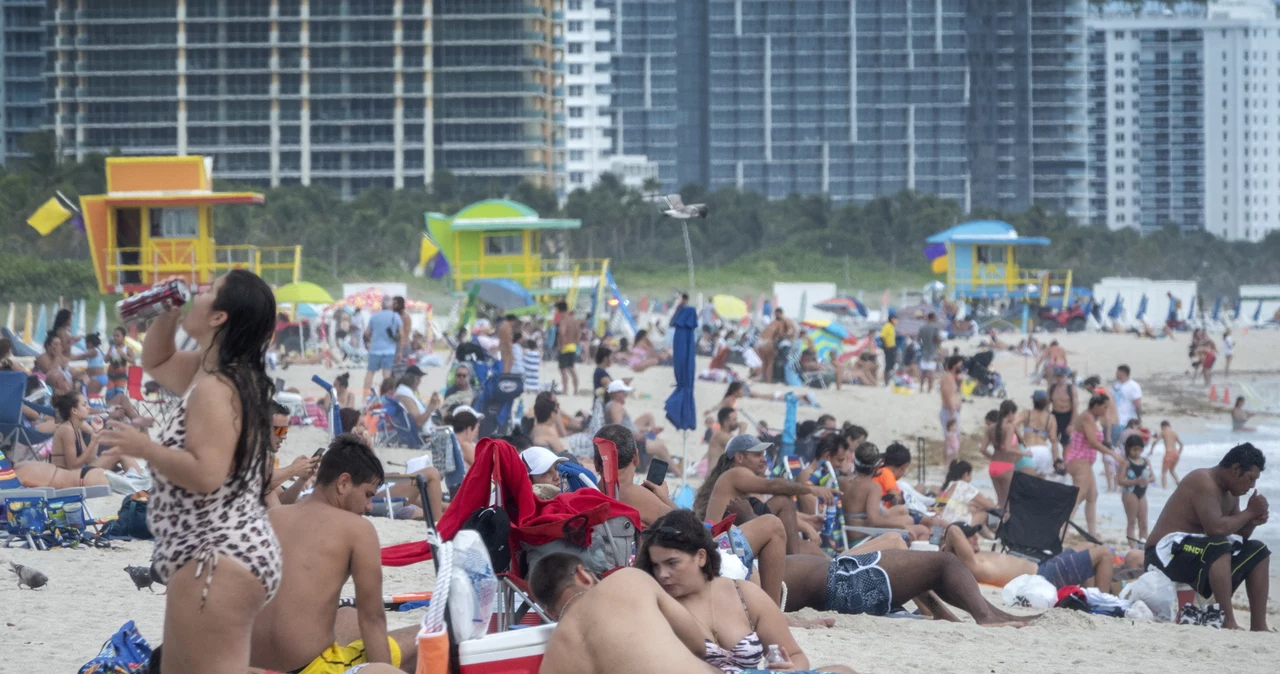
(156, 405)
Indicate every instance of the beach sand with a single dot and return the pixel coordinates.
(89, 596)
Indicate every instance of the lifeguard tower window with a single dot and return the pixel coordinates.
(504, 244)
(175, 223)
(991, 254)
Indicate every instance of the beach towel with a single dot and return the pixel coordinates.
(126, 652)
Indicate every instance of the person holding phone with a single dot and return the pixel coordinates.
(541, 463)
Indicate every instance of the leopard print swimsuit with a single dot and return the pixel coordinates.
(201, 527)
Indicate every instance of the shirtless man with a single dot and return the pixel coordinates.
(1190, 542)
(1071, 567)
(767, 344)
(949, 387)
(546, 430)
(1062, 403)
(568, 330)
(729, 427)
(763, 538)
(508, 328)
(740, 474)
(325, 540)
(592, 635)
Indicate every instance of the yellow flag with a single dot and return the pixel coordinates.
(940, 265)
(427, 251)
(49, 216)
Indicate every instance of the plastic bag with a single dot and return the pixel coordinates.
(1156, 591)
(473, 589)
(1031, 591)
(1139, 611)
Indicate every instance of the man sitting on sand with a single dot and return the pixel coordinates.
(324, 540)
(592, 635)
(546, 430)
(1071, 567)
(1202, 537)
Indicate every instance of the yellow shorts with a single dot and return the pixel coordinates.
(569, 348)
(338, 659)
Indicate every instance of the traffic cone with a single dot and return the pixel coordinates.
(1213, 394)
(1226, 395)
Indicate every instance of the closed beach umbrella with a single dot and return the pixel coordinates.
(1116, 308)
(680, 408)
(729, 308)
(42, 326)
(302, 292)
(841, 306)
(100, 324)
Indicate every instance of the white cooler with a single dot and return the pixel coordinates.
(514, 652)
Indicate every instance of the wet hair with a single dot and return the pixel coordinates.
(951, 361)
(343, 380)
(703, 497)
(351, 455)
(62, 320)
(1124, 369)
(958, 469)
(278, 409)
(1133, 441)
(896, 455)
(624, 440)
(243, 340)
(1244, 455)
(865, 458)
(543, 408)
(551, 576)
(1098, 399)
(463, 421)
(828, 446)
(63, 403)
(683, 531)
(93, 340)
(350, 418)
(724, 414)
(602, 354)
(734, 388)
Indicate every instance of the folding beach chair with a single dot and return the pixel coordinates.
(1036, 518)
(14, 433)
(157, 405)
(401, 429)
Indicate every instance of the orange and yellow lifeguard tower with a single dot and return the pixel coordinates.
(156, 221)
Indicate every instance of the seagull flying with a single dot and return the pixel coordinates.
(677, 209)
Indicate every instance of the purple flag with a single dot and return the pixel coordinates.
(78, 221)
(934, 251)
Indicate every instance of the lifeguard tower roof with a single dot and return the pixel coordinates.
(503, 214)
(982, 232)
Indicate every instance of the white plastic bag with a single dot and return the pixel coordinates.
(1030, 590)
(731, 567)
(1156, 591)
(473, 587)
(1140, 611)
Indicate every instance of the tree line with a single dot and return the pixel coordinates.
(379, 230)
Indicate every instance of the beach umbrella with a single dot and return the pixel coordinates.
(1217, 308)
(42, 323)
(1257, 313)
(501, 293)
(77, 318)
(826, 341)
(789, 427)
(841, 306)
(729, 308)
(100, 323)
(1117, 308)
(302, 292)
(8, 322)
(1142, 308)
(680, 408)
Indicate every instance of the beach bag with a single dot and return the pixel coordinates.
(611, 543)
(1156, 591)
(473, 589)
(131, 520)
(1030, 590)
(126, 652)
(494, 528)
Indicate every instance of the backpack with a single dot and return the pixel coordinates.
(611, 544)
(494, 526)
(131, 521)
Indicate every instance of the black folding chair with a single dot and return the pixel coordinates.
(1037, 514)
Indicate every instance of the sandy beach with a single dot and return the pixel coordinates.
(60, 627)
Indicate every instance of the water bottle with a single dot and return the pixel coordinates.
(774, 655)
(151, 303)
(828, 527)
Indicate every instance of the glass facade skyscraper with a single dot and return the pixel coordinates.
(22, 86)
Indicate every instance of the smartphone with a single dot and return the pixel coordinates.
(318, 452)
(657, 471)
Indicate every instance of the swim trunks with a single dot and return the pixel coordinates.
(1190, 556)
(1070, 567)
(567, 360)
(735, 541)
(856, 585)
(340, 659)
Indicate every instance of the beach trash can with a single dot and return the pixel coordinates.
(518, 651)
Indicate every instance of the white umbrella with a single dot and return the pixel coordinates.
(100, 325)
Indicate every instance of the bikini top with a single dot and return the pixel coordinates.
(1028, 428)
(746, 654)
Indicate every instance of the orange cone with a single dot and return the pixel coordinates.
(1226, 395)
(1213, 394)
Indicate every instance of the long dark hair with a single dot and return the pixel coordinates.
(1007, 408)
(733, 388)
(703, 497)
(958, 469)
(679, 530)
(62, 319)
(243, 340)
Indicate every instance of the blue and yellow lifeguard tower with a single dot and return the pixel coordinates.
(980, 260)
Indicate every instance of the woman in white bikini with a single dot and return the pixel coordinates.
(214, 547)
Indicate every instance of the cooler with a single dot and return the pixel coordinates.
(514, 652)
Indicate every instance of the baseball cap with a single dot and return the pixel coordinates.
(540, 460)
(469, 409)
(618, 385)
(1039, 396)
(745, 443)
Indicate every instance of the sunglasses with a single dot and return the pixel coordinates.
(280, 431)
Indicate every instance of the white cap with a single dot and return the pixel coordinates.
(618, 385)
(468, 408)
(540, 460)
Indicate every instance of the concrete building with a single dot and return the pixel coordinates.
(22, 83)
(981, 101)
(588, 89)
(348, 93)
(1185, 119)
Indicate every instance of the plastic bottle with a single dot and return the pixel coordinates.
(774, 655)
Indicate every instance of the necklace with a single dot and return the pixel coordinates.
(560, 613)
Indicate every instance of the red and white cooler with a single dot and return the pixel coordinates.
(514, 652)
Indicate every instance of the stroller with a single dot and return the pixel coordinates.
(988, 382)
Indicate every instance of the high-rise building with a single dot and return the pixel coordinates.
(349, 93)
(22, 84)
(1185, 119)
(588, 88)
(973, 100)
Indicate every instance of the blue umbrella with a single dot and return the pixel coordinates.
(1217, 308)
(1142, 308)
(1257, 313)
(502, 293)
(1116, 307)
(680, 408)
(789, 427)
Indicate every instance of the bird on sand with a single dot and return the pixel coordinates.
(32, 578)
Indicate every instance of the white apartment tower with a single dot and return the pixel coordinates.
(1184, 119)
(588, 85)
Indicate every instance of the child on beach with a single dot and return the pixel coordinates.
(1134, 484)
(951, 445)
(1172, 452)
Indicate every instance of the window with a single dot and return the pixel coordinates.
(1119, 121)
(575, 47)
(1119, 105)
(575, 134)
(1119, 137)
(575, 5)
(504, 244)
(1119, 170)
(1120, 201)
(1120, 153)
(575, 89)
(576, 155)
(1120, 217)
(1119, 184)
(1119, 71)
(575, 112)
(990, 254)
(1119, 57)
(575, 177)
(175, 223)
(1119, 88)
(574, 26)
(575, 68)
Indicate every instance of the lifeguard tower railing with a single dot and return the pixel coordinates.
(543, 279)
(1033, 284)
(132, 272)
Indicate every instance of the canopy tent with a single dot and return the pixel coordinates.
(370, 299)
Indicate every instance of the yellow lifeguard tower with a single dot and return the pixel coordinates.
(156, 221)
(981, 262)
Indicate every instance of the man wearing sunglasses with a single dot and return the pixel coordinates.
(300, 471)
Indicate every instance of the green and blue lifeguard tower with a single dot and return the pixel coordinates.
(980, 260)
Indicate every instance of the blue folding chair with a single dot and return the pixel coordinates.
(14, 431)
(404, 432)
(335, 413)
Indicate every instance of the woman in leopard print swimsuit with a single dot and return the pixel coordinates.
(213, 543)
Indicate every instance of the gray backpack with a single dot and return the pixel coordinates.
(612, 543)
